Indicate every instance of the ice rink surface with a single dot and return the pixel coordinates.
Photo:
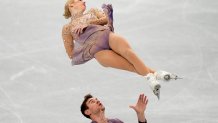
(39, 85)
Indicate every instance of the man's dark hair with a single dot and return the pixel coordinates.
(84, 107)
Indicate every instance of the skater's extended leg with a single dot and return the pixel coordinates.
(109, 58)
(121, 47)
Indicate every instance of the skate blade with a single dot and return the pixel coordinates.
(175, 78)
(170, 77)
(156, 91)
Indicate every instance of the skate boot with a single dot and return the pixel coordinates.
(154, 84)
(165, 76)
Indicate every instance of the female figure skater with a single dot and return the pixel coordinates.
(90, 35)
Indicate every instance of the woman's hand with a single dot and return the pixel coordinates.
(79, 30)
(101, 18)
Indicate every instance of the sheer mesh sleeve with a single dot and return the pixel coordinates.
(101, 18)
(68, 40)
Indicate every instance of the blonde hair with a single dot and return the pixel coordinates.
(67, 13)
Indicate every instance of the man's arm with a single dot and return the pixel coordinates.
(140, 108)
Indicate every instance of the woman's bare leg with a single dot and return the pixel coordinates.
(119, 45)
(109, 58)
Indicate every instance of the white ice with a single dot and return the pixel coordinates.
(39, 85)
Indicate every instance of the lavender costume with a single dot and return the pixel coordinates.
(93, 38)
(111, 121)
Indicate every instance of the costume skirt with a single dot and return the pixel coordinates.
(93, 39)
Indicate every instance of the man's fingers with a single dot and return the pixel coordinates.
(141, 99)
(145, 99)
(146, 102)
(133, 107)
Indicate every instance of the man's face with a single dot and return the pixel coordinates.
(95, 106)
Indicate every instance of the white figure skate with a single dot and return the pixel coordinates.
(165, 76)
(154, 84)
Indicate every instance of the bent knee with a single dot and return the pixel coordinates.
(102, 58)
(102, 62)
(104, 65)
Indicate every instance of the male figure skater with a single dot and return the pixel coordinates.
(93, 109)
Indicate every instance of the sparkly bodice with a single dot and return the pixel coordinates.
(81, 21)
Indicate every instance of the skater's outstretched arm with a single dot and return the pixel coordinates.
(68, 40)
(140, 108)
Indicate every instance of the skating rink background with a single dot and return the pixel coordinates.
(39, 85)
